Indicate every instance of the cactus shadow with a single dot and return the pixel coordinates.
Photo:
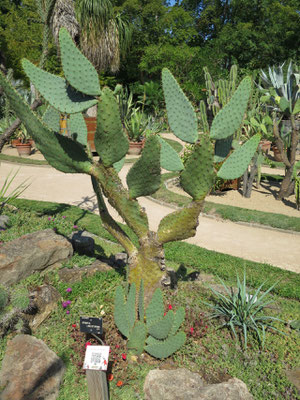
(182, 274)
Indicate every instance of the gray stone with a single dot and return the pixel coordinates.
(120, 259)
(36, 251)
(30, 370)
(75, 274)
(4, 221)
(294, 377)
(181, 384)
(43, 300)
(83, 243)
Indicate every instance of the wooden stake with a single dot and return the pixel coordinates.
(97, 385)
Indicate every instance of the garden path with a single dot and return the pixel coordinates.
(281, 249)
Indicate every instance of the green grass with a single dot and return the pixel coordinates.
(211, 352)
(235, 214)
(22, 160)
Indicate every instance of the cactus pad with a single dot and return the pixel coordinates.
(178, 320)
(230, 117)
(164, 348)
(137, 338)
(78, 70)
(141, 308)
(61, 152)
(162, 328)
(51, 118)
(130, 305)
(222, 149)
(119, 164)
(155, 309)
(180, 224)
(143, 178)
(181, 115)
(198, 176)
(120, 313)
(77, 127)
(169, 158)
(110, 140)
(237, 163)
(56, 91)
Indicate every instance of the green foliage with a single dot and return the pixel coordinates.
(143, 178)
(76, 66)
(243, 311)
(3, 298)
(19, 298)
(6, 198)
(136, 125)
(162, 340)
(110, 140)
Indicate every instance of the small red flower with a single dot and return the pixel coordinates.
(110, 377)
(124, 356)
(170, 307)
(192, 330)
(88, 344)
(206, 326)
(119, 383)
(73, 325)
(117, 346)
(165, 314)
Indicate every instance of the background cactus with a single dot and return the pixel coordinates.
(69, 155)
(156, 333)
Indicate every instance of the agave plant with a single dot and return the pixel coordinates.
(242, 311)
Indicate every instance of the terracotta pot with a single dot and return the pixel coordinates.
(24, 149)
(91, 124)
(135, 148)
(277, 154)
(14, 142)
(265, 145)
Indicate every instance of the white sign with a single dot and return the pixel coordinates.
(96, 358)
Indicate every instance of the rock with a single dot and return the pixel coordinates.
(30, 370)
(181, 384)
(43, 300)
(36, 251)
(294, 377)
(83, 243)
(120, 259)
(71, 275)
(4, 221)
(169, 279)
(172, 384)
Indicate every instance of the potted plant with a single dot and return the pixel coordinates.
(135, 127)
(24, 145)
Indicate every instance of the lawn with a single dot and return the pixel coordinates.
(208, 350)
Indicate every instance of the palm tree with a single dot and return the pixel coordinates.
(101, 35)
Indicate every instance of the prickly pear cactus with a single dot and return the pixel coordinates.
(158, 334)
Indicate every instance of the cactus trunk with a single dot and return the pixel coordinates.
(147, 263)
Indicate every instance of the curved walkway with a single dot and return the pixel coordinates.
(281, 249)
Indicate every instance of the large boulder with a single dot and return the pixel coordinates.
(30, 370)
(75, 274)
(36, 251)
(182, 384)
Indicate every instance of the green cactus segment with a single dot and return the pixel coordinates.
(230, 117)
(78, 70)
(181, 115)
(120, 313)
(198, 176)
(163, 349)
(61, 152)
(169, 158)
(119, 164)
(162, 328)
(237, 163)
(141, 307)
(222, 149)
(78, 129)
(180, 224)
(110, 140)
(56, 91)
(137, 338)
(130, 305)
(143, 178)
(51, 118)
(178, 320)
(155, 309)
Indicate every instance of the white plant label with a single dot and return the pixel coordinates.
(96, 358)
